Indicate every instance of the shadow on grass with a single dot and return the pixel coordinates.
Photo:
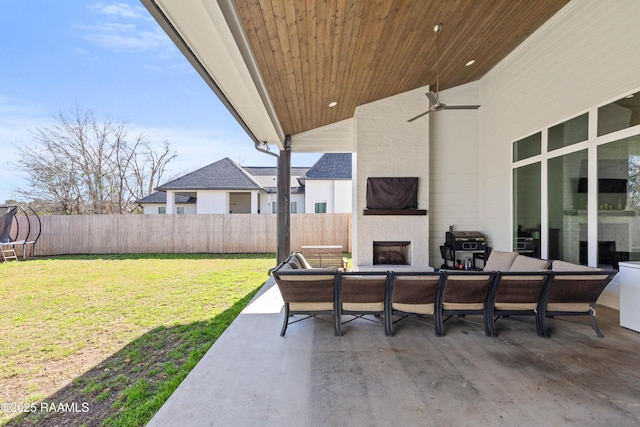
(129, 387)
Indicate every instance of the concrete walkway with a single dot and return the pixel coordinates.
(253, 377)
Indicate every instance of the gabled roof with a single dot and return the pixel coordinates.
(160, 198)
(331, 166)
(224, 174)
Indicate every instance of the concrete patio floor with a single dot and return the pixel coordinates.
(253, 377)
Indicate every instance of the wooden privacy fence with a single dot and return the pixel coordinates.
(240, 233)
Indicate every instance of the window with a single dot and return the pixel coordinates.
(180, 210)
(527, 208)
(527, 147)
(274, 207)
(569, 132)
(567, 207)
(621, 114)
(577, 197)
(619, 202)
(321, 207)
(294, 207)
(162, 210)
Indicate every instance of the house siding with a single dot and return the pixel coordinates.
(453, 168)
(213, 202)
(153, 209)
(584, 56)
(342, 191)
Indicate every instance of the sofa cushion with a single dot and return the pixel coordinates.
(303, 262)
(500, 261)
(526, 263)
(558, 265)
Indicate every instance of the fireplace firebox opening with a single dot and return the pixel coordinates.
(391, 253)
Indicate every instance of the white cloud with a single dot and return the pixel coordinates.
(119, 9)
(124, 28)
(124, 37)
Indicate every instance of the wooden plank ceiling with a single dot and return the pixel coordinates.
(313, 52)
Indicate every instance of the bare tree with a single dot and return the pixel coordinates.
(79, 165)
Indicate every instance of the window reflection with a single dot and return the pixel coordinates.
(621, 114)
(527, 209)
(619, 202)
(527, 147)
(568, 133)
(567, 207)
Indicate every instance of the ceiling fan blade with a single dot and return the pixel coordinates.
(462, 107)
(432, 98)
(418, 116)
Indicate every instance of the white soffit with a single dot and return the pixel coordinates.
(332, 138)
(202, 26)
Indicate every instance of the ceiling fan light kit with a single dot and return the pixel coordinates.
(434, 100)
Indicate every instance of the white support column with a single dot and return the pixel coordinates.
(254, 202)
(171, 202)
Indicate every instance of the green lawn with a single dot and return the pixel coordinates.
(104, 340)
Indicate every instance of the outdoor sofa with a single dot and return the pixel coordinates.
(510, 284)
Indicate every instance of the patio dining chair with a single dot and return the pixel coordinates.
(361, 294)
(464, 293)
(411, 294)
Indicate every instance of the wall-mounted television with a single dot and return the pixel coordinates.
(605, 185)
(393, 193)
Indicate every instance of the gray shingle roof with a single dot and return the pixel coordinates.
(160, 197)
(331, 166)
(273, 171)
(224, 174)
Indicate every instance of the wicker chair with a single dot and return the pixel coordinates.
(411, 294)
(464, 293)
(519, 294)
(307, 292)
(574, 293)
(360, 294)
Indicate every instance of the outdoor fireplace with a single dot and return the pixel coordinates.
(391, 253)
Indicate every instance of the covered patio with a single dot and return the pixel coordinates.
(252, 376)
(334, 76)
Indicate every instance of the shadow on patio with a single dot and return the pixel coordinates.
(252, 376)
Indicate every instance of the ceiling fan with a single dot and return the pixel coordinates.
(434, 102)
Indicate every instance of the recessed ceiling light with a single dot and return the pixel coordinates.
(473, 61)
(333, 104)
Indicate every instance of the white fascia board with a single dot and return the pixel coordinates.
(332, 138)
(201, 32)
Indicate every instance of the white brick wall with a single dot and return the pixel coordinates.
(387, 145)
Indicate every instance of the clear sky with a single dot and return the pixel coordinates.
(112, 58)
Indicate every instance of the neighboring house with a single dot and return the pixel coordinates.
(267, 177)
(226, 187)
(328, 184)
(156, 203)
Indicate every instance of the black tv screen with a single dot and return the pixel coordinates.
(392, 193)
(605, 185)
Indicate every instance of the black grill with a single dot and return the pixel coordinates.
(465, 241)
